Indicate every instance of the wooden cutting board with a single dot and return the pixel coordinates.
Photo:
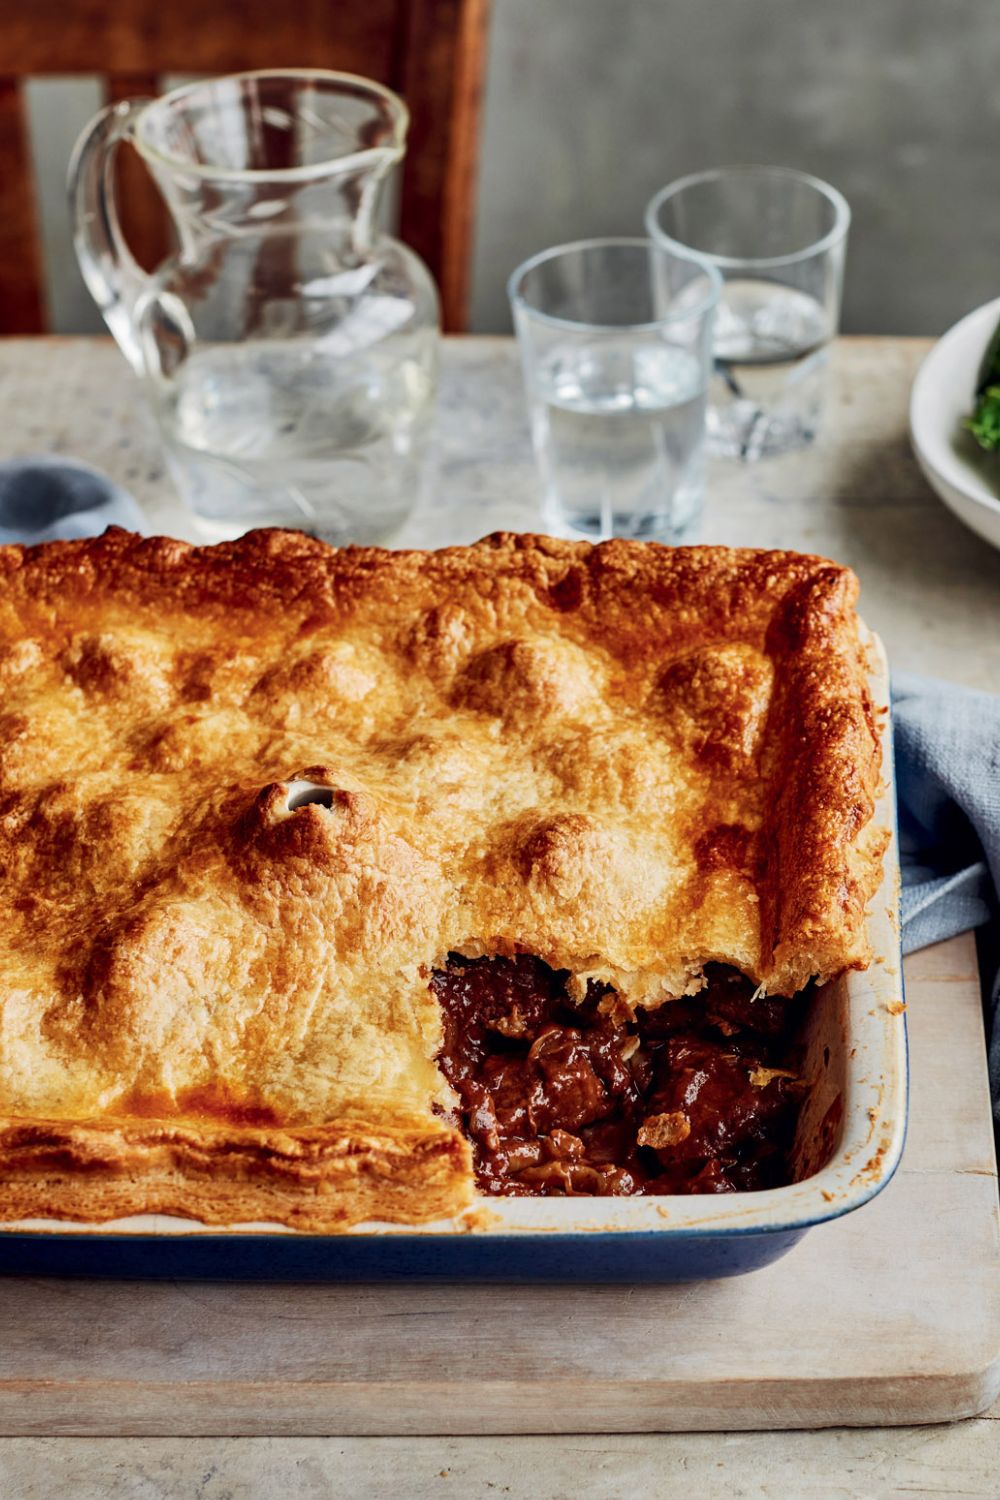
(889, 1316)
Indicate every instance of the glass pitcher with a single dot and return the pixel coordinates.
(289, 348)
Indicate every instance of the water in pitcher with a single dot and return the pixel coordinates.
(770, 349)
(619, 428)
(275, 433)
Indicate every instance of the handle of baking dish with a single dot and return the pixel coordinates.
(113, 277)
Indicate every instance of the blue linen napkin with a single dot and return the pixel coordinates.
(44, 499)
(947, 738)
(947, 742)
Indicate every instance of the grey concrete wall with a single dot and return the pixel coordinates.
(594, 104)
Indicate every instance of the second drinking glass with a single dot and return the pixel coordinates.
(615, 338)
(777, 237)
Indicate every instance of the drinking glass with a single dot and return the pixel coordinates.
(615, 339)
(778, 239)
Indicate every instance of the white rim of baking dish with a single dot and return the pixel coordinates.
(871, 1143)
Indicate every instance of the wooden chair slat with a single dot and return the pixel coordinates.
(446, 44)
(190, 36)
(21, 305)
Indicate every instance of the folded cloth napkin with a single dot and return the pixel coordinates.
(42, 499)
(947, 738)
(947, 742)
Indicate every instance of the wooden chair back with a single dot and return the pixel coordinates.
(432, 52)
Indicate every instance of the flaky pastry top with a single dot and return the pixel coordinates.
(251, 794)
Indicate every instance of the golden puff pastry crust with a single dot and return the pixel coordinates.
(251, 795)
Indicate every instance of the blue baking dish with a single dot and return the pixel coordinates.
(849, 1142)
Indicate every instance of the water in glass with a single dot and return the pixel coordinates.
(770, 349)
(618, 429)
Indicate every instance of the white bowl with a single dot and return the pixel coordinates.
(944, 393)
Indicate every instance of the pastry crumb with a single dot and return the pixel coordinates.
(476, 1220)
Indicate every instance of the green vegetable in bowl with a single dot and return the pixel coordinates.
(984, 424)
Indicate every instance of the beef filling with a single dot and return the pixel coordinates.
(565, 1098)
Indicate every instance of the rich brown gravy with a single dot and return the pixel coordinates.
(559, 1098)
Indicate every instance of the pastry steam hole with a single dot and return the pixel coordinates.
(305, 794)
(696, 1096)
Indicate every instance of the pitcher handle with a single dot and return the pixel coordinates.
(113, 277)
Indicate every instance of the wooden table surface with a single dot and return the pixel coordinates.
(929, 587)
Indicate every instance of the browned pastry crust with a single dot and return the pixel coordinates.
(628, 760)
